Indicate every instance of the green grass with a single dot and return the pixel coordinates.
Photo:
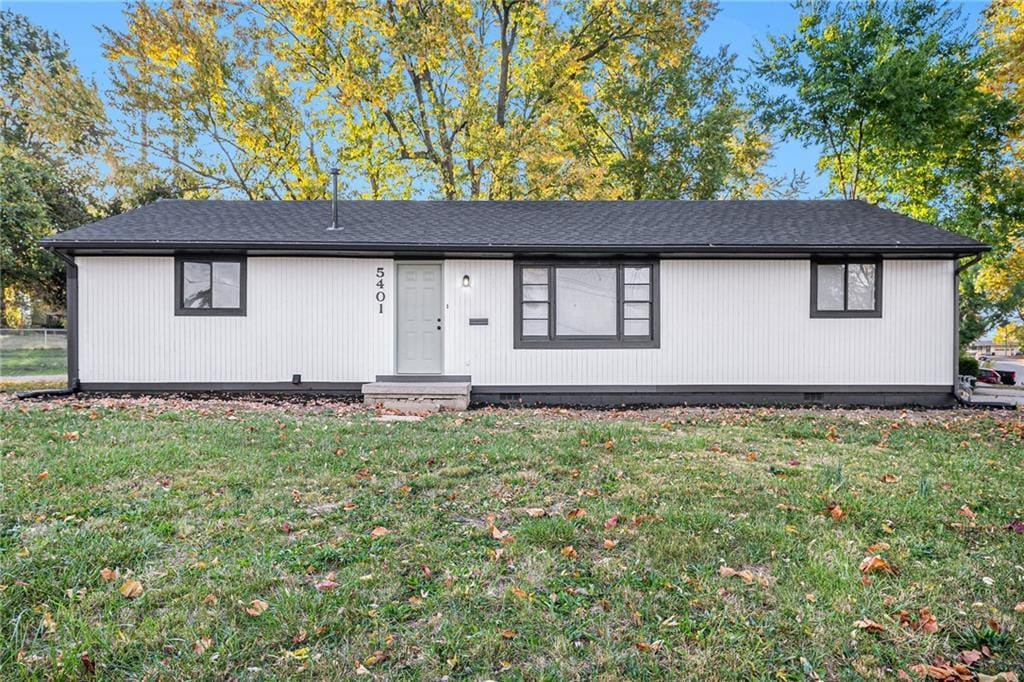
(206, 499)
(33, 361)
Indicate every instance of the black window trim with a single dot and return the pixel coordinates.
(586, 342)
(876, 261)
(179, 272)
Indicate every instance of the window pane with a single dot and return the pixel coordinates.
(535, 292)
(586, 301)
(830, 287)
(226, 291)
(640, 275)
(860, 283)
(535, 275)
(636, 327)
(637, 292)
(535, 311)
(640, 311)
(535, 328)
(195, 285)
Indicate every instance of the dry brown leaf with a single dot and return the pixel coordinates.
(869, 625)
(519, 592)
(210, 599)
(42, 475)
(379, 531)
(966, 511)
(611, 523)
(535, 512)
(970, 657)
(875, 564)
(374, 658)
(256, 607)
(202, 644)
(999, 677)
(878, 547)
(577, 513)
(836, 512)
(1019, 608)
(508, 634)
(71, 436)
(300, 636)
(570, 552)
(109, 574)
(610, 544)
(889, 478)
(131, 588)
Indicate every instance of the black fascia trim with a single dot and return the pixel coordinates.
(619, 341)
(243, 286)
(951, 251)
(877, 261)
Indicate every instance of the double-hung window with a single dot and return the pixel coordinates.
(846, 288)
(586, 305)
(209, 285)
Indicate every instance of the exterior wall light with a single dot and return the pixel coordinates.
(465, 280)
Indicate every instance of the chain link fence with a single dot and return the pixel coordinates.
(13, 339)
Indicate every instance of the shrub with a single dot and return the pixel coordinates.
(968, 365)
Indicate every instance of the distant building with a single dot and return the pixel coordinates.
(989, 348)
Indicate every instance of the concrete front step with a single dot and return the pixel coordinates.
(418, 396)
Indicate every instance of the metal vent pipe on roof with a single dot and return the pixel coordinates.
(334, 200)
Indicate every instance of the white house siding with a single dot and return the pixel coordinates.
(317, 317)
(740, 322)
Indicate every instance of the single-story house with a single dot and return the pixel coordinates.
(989, 348)
(590, 302)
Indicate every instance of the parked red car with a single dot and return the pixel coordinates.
(988, 376)
(1008, 377)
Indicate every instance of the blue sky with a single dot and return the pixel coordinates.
(737, 26)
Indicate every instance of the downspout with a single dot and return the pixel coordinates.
(72, 328)
(956, 321)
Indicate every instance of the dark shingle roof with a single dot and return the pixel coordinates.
(518, 226)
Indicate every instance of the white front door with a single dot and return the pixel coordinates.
(419, 318)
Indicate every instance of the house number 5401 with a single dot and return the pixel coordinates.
(380, 296)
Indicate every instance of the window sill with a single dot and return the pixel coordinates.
(585, 344)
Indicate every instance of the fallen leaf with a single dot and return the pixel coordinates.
(928, 622)
(202, 644)
(966, 511)
(49, 624)
(535, 512)
(1019, 608)
(256, 607)
(644, 646)
(610, 544)
(875, 564)
(569, 552)
(87, 663)
(210, 599)
(611, 523)
(325, 585)
(878, 547)
(379, 531)
(577, 513)
(300, 636)
(999, 677)
(1016, 526)
(42, 475)
(508, 634)
(869, 625)
(71, 436)
(405, 489)
(519, 592)
(810, 597)
(889, 478)
(131, 589)
(836, 512)
(970, 657)
(109, 574)
(609, 444)
(374, 658)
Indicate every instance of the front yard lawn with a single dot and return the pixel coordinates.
(33, 361)
(164, 539)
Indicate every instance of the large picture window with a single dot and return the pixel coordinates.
(209, 286)
(586, 305)
(846, 288)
